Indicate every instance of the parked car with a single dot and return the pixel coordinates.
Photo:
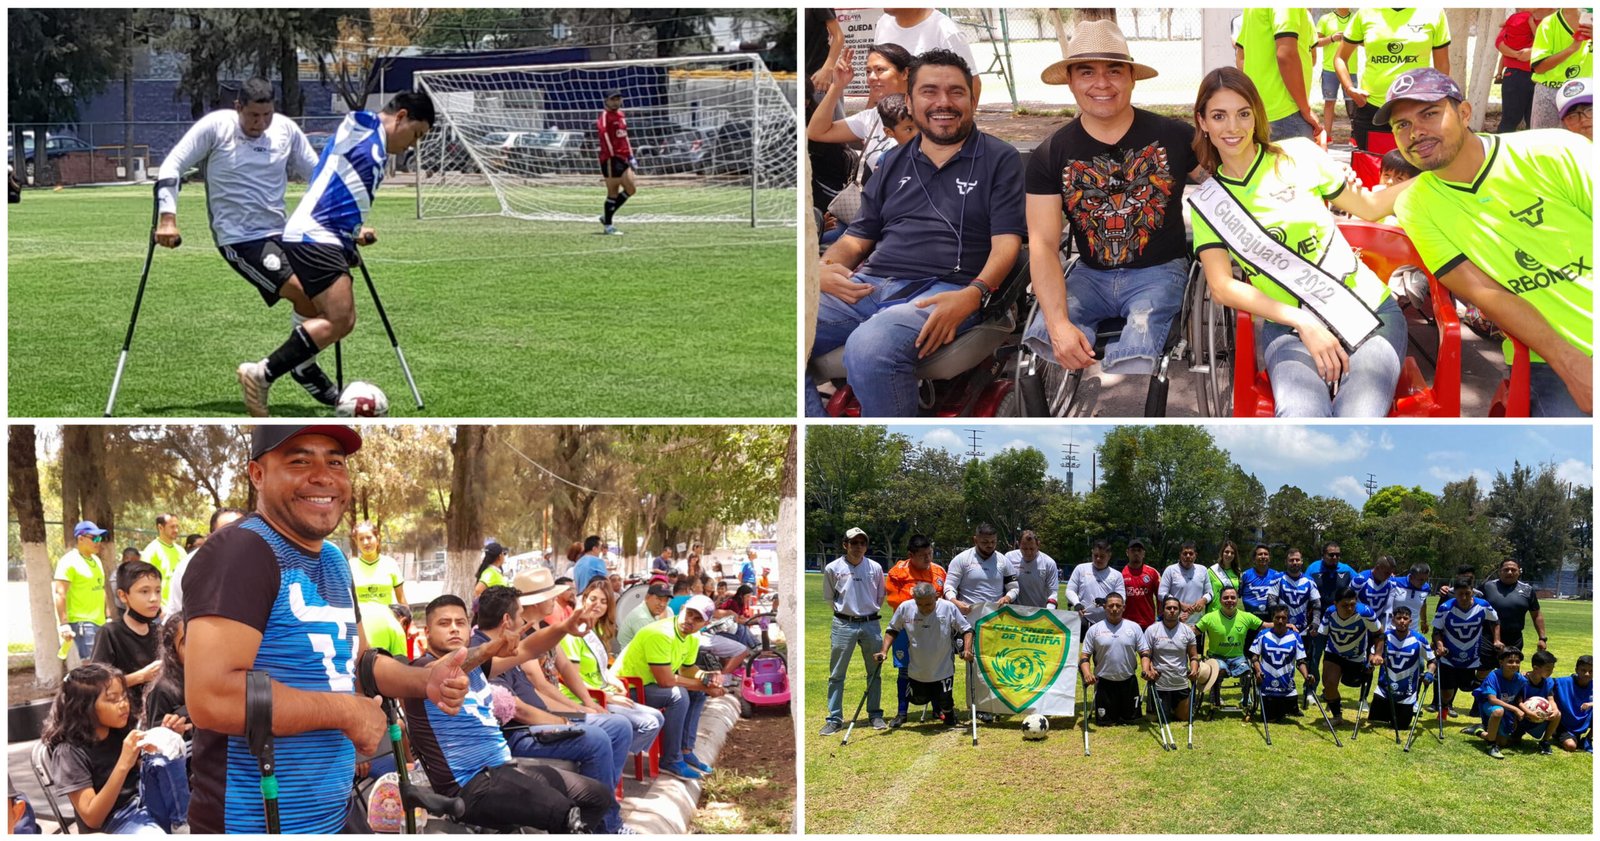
(684, 150)
(555, 150)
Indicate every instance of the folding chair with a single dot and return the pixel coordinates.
(39, 758)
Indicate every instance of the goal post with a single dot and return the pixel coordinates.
(714, 139)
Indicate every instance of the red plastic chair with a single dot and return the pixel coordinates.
(1368, 167)
(635, 689)
(1511, 397)
(1384, 248)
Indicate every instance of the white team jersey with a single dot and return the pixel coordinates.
(245, 176)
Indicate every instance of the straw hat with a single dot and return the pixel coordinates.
(1095, 40)
(537, 585)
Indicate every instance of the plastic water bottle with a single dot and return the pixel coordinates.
(766, 688)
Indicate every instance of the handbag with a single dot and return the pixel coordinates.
(846, 204)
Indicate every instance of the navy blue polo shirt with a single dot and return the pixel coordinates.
(916, 212)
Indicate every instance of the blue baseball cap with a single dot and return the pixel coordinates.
(1423, 85)
(87, 527)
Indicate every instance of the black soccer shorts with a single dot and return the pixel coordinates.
(263, 263)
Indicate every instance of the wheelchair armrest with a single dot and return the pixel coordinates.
(1011, 288)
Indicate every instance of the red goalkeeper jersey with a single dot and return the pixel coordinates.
(613, 129)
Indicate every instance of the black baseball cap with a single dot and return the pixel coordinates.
(265, 439)
(613, 94)
(1422, 85)
(1137, 541)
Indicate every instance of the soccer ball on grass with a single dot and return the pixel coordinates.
(1035, 728)
(362, 400)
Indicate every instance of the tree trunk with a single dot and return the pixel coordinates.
(788, 549)
(464, 519)
(28, 508)
(289, 70)
(1062, 38)
(85, 492)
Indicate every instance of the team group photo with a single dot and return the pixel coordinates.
(529, 212)
(1256, 212)
(1065, 613)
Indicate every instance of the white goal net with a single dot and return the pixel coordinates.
(713, 140)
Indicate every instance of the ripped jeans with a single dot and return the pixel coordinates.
(1149, 298)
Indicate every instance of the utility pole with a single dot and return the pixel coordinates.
(1371, 484)
(1070, 463)
(974, 451)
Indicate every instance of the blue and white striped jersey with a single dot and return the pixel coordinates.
(1257, 587)
(1375, 594)
(1348, 638)
(1278, 656)
(1462, 627)
(1299, 595)
(1404, 661)
(343, 185)
(455, 748)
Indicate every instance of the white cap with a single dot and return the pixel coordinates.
(700, 605)
(1574, 92)
(854, 533)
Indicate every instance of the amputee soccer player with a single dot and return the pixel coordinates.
(616, 159)
(320, 238)
(249, 153)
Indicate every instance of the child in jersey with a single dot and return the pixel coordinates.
(1408, 665)
(1276, 654)
(1574, 697)
(1541, 684)
(1500, 696)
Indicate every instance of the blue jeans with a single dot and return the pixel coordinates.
(843, 641)
(132, 819)
(1367, 389)
(645, 720)
(83, 638)
(164, 790)
(1293, 125)
(681, 709)
(1332, 90)
(1548, 396)
(1149, 298)
(879, 335)
(593, 751)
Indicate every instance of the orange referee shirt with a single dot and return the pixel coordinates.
(902, 578)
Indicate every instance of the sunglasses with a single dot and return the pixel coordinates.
(95, 537)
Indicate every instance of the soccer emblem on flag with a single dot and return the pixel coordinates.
(1021, 657)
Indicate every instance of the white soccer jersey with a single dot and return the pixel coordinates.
(245, 176)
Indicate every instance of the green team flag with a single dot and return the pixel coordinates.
(1026, 657)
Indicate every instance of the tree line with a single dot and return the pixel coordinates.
(1172, 483)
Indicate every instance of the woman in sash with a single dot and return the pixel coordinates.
(1334, 336)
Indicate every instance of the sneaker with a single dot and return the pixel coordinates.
(878, 723)
(253, 381)
(1494, 751)
(1473, 730)
(985, 718)
(681, 770)
(950, 721)
(695, 763)
(1544, 749)
(830, 727)
(1449, 713)
(611, 231)
(897, 722)
(316, 383)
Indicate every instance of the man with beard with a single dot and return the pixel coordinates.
(1506, 223)
(981, 574)
(1117, 173)
(940, 227)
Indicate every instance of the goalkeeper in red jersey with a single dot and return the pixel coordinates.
(616, 159)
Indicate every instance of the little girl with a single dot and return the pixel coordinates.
(95, 755)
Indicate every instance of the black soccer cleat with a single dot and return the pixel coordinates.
(316, 383)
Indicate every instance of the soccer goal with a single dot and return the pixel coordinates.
(713, 140)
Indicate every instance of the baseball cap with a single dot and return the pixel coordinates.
(1572, 94)
(700, 605)
(659, 591)
(1423, 85)
(87, 527)
(854, 533)
(613, 94)
(1137, 541)
(265, 439)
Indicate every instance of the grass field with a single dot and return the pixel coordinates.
(925, 778)
(498, 317)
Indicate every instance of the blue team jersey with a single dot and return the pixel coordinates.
(1462, 630)
(1278, 656)
(1256, 588)
(1348, 638)
(343, 184)
(1569, 696)
(455, 748)
(1297, 594)
(1404, 661)
(1375, 595)
(1512, 690)
(309, 642)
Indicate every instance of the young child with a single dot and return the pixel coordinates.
(1541, 685)
(894, 111)
(1407, 667)
(163, 703)
(1500, 698)
(132, 643)
(1574, 697)
(95, 756)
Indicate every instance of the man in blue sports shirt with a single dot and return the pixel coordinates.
(321, 236)
(1458, 631)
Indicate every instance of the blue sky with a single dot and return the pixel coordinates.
(1328, 460)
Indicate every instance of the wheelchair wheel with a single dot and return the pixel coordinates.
(1210, 341)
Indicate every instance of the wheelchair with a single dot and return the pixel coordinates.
(1248, 703)
(963, 378)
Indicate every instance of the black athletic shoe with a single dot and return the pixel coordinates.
(897, 722)
(1544, 749)
(316, 383)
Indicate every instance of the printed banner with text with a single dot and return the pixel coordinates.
(1026, 659)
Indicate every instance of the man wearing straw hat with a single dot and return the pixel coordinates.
(1116, 173)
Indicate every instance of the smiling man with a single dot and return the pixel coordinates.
(271, 594)
(1505, 222)
(939, 230)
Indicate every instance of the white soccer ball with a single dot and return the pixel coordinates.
(362, 400)
(1541, 708)
(1035, 728)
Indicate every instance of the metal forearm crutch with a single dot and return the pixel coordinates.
(389, 328)
(138, 298)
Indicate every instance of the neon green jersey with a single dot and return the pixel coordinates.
(657, 644)
(1224, 636)
(375, 581)
(581, 652)
(493, 577)
(1259, 30)
(1553, 36)
(86, 587)
(1287, 195)
(1329, 25)
(383, 630)
(1526, 220)
(165, 557)
(1396, 40)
